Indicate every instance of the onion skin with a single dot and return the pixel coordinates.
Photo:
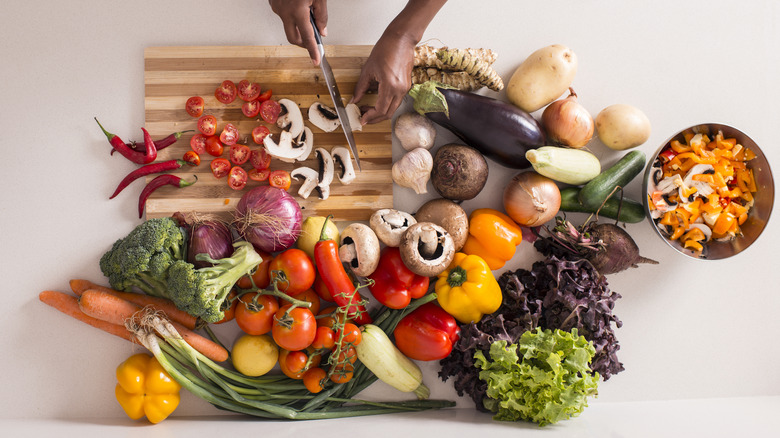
(531, 199)
(567, 122)
(269, 218)
(209, 237)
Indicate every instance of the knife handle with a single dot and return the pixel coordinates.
(317, 35)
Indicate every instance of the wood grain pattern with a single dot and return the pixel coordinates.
(173, 74)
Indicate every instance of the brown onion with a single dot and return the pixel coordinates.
(531, 199)
(567, 122)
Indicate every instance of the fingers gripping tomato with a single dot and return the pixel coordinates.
(394, 284)
(428, 333)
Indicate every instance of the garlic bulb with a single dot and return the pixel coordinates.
(413, 170)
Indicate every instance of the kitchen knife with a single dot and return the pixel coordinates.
(333, 88)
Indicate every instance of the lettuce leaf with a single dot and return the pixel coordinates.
(545, 377)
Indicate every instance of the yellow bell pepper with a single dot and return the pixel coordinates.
(146, 389)
(467, 289)
(493, 236)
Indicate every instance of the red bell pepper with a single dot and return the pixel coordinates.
(428, 333)
(394, 284)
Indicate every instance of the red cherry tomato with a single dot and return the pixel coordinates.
(351, 334)
(194, 106)
(295, 270)
(251, 109)
(220, 167)
(229, 135)
(260, 133)
(255, 313)
(313, 379)
(342, 373)
(226, 92)
(280, 179)
(265, 95)
(214, 146)
(207, 125)
(198, 143)
(310, 296)
(294, 328)
(248, 91)
(239, 154)
(261, 277)
(260, 159)
(283, 362)
(324, 338)
(192, 158)
(237, 178)
(258, 175)
(269, 111)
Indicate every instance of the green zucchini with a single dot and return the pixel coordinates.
(566, 165)
(630, 210)
(621, 173)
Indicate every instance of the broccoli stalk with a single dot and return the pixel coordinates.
(201, 291)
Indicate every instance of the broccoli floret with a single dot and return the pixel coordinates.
(142, 258)
(201, 291)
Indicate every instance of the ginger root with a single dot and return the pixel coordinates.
(466, 69)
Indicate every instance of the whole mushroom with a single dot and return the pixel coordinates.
(359, 249)
(448, 215)
(390, 224)
(427, 249)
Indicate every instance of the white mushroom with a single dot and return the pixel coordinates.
(304, 142)
(325, 172)
(359, 249)
(323, 117)
(343, 158)
(284, 150)
(687, 182)
(353, 113)
(291, 118)
(390, 224)
(310, 180)
(427, 249)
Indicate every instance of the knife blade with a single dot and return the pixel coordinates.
(333, 89)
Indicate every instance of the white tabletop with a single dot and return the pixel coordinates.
(701, 334)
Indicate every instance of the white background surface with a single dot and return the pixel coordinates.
(703, 334)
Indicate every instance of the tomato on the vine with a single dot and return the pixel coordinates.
(207, 125)
(294, 328)
(198, 144)
(327, 318)
(214, 146)
(194, 106)
(311, 297)
(226, 92)
(239, 153)
(270, 110)
(248, 91)
(314, 378)
(220, 167)
(260, 276)
(260, 159)
(229, 135)
(324, 338)
(192, 158)
(351, 334)
(342, 373)
(280, 179)
(260, 133)
(256, 317)
(348, 354)
(258, 175)
(283, 362)
(295, 271)
(237, 178)
(251, 109)
(296, 361)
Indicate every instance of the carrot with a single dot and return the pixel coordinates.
(110, 308)
(69, 305)
(164, 305)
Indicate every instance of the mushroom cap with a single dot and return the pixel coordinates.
(359, 249)
(427, 249)
(448, 215)
(390, 224)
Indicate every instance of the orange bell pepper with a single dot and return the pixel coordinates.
(493, 236)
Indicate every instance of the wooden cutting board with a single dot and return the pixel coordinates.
(173, 74)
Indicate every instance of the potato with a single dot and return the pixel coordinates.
(622, 127)
(542, 77)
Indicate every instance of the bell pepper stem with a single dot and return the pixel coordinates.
(456, 277)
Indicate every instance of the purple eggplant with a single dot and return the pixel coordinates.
(498, 130)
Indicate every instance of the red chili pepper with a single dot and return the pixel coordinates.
(132, 155)
(394, 284)
(335, 277)
(147, 170)
(158, 144)
(158, 182)
(428, 333)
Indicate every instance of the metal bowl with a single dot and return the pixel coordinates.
(758, 215)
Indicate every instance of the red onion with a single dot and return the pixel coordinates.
(269, 218)
(210, 237)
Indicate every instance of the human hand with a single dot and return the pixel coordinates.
(295, 15)
(388, 70)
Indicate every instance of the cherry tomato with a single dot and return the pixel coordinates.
(192, 158)
(237, 178)
(229, 307)
(220, 167)
(260, 159)
(313, 379)
(214, 146)
(324, 338)
(296, 361)
(251, 109)
(351, 335)
(342, 373)
(256, 316)
(322, 289)
(258, 175)
(207, 125)
(229, 135)
(260, 133)
(248, 91)
(198, 144)
(239, 154)
(310, 296)
(280, 179)
(284, 354)
(195, 106)
(261, 276)
(270, 110)
(327, 317)
(293, 328)
(265, 95)
(295, 271)
(348, 354)
(226, 92)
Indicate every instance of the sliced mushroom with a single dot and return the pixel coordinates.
(353, 113)
(310, 180)
(291, 118)
(427, 249)
(323, 117)
(687, 182)
(359, 248)
(304, 143)
(325, 172)
(343, 158)
(448, 215)
(284, 150)
(389, 225)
